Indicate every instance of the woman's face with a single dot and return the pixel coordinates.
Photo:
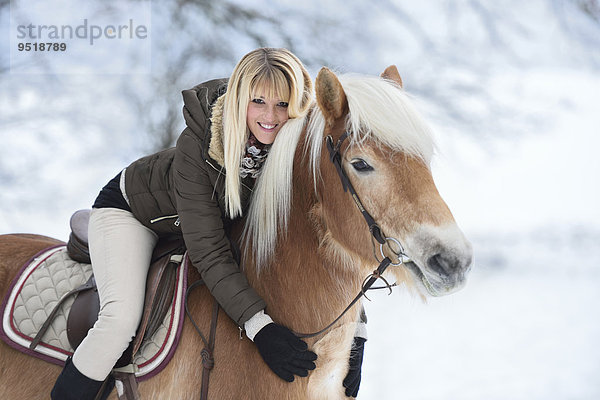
(265, 117)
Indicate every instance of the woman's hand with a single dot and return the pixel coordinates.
(285, 353)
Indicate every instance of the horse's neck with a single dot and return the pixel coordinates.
(311, 279)
(305, 288)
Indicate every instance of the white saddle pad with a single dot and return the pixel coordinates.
(41, 283)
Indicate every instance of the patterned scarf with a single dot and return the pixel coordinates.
(256, 154)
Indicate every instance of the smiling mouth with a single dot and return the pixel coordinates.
(267, 127)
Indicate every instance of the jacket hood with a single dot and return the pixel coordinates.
(203, 114)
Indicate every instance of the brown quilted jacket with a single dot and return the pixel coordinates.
(181, 191)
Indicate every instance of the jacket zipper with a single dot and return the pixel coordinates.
(223, 173)
(176, 223)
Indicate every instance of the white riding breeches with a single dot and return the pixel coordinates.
(120, 249)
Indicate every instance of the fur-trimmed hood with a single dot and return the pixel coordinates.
(203, 113)
(215, 146)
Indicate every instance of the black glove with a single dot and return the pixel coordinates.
(285, 353)
(352, 380)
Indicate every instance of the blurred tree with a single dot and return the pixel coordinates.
(591, 8)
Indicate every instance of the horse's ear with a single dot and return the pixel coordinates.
(391, 73)
(330, 95)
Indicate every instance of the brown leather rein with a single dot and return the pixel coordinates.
(207, 353)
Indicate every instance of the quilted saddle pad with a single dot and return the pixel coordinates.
(41, 283)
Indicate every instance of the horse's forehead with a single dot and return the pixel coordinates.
(391, 142)
(375, 148)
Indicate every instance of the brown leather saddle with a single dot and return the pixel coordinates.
(160, 288)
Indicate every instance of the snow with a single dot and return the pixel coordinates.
(546, 175)
(512, 91)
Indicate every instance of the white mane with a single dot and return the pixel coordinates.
(379, 110)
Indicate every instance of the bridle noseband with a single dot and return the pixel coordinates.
(335, 156)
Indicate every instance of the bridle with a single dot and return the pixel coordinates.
(336, 156)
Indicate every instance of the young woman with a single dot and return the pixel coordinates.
(192, 190)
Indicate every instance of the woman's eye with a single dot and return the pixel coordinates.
(361, 165)
(258, 101)
(283, 104)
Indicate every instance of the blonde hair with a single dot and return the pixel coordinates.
(275, 72)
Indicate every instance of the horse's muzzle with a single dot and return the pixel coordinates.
(442, 258)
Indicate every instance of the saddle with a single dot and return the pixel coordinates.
(160, 288)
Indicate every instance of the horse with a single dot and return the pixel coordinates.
(306, 247)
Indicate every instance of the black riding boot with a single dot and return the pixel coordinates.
(73, 385)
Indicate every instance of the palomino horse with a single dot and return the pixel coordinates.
(308, 248)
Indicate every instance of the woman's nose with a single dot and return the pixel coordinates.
(269, 114)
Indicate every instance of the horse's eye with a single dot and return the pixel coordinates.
(361, 165)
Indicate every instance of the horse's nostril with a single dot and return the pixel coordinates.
(440, 264)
